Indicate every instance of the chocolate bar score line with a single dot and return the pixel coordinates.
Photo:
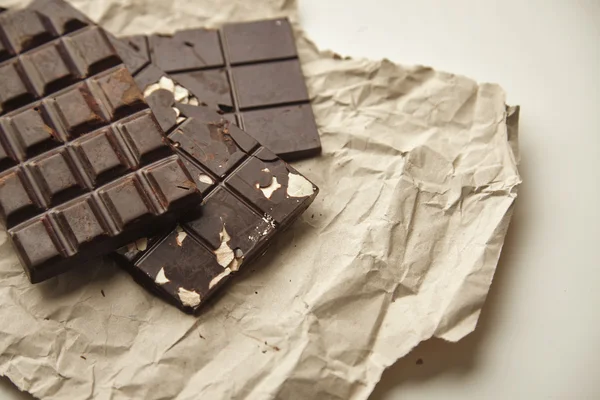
(86, 167)
(250, 194)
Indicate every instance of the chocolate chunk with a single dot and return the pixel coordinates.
(84, 166)
(250, 194)
(275, 126)
(250, 70)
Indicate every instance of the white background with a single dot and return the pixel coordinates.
(539, 334)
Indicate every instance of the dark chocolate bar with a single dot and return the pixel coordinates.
(250, 196)
(250, 70)
(85, 167)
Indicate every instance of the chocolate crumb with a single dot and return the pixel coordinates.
(420, 361)
(102, 291)
(83, 357)
(202, 337)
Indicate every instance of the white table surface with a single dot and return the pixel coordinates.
(539, 334)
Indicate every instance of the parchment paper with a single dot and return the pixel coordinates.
(418, 178)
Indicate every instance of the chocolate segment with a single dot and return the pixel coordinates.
(84, 166)
(249, 70)
(251, 195)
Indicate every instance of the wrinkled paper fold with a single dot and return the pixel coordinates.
(418, 179)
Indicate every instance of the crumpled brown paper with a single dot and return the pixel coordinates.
(418, 178)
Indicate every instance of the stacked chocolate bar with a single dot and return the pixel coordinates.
(162, 150)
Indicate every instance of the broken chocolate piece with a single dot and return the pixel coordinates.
(84, 165)
(248, 70)
(250, 196)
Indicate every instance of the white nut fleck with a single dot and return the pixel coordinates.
(180, 93)
(151, 89)
(177, 112)
(180, 119)
(167, 84)
(270, 226)
(161, 278)
(205, 179)
(141, 244)
(188, 297)
(185, 101)
(235, 264)
(268, 191)
(194, 101)
(224, 253)
(181, 235)
(269, 220)
(218, 278)
(299, 186)
(265, 170)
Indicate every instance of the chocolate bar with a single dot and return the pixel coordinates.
(248, 70)
(250, 196)
(85, 167)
